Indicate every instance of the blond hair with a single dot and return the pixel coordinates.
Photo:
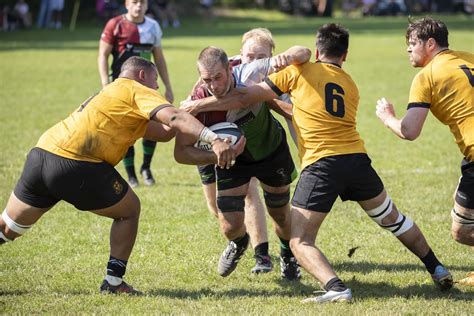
(261, 36)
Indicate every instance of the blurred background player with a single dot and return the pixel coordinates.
(56, 7)
(134, 34)
(428, 49)
(165, 11)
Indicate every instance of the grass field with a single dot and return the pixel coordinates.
(57, 267)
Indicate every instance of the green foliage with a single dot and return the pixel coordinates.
(57, 267)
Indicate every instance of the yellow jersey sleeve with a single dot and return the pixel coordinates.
(283, 81)
(420, 91)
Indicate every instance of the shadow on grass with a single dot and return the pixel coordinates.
(12, 293)
(383, 290)
(87, 35)
(361, 291)
(367, 267)
(289, 289)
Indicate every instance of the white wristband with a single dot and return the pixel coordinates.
(207, 135)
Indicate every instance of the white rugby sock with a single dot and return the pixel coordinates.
(114, 281)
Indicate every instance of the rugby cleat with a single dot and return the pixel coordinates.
(148, 179)
(230, 258)
(290, 269)
(122, 288)
(263, 264)
(442, 278)
(331, 296)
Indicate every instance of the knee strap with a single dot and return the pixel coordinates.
(3, 238)
(17, 228)
(275, 200)
(379, 213)
(461, 219)
(401, 225)
(231, 203)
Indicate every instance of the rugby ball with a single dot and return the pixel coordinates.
(223, 130)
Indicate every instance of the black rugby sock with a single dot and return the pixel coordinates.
(261, 249)
(116, 267)
(430, 261)
(285, 250)
(335, 284)
(242, 241)
(129, 162)
(148, 150)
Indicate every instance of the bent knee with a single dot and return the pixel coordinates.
(296, 243)
(230, 229)
(280, 217)
(463, 234)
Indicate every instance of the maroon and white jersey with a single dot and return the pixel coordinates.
(211, 117)
(130, 39)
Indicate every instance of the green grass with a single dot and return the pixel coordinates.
(58, 266)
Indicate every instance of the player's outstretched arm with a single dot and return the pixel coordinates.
(409, 127)
(185, 123)
(159, 132)
(235, 99)
(294, 55)
(186, 153)
(283, 108)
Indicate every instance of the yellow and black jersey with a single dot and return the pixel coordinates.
(446, 87)
(105, 125)
(325, 101)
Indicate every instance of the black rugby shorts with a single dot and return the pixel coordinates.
(48, 178)
(465, 191)
(351, 177)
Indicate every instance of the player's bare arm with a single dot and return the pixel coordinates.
(294, 55)
(186, 153)
(235, 99)
(160, 62)
(159, 132)
(105, 49)
(185, 123)
(283, 108)
(409, 127)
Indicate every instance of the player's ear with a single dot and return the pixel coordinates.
(141, 74)
(316, 54)
(431, 43)
(344, 56)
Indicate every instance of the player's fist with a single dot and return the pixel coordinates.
(384, 110)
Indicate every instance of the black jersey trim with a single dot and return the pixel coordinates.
(418, 105)
(273, 86)
(159, 108)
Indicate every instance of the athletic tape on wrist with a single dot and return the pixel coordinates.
(207, 135)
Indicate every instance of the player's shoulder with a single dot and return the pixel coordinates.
(116, 20)
(152, 21)
(467, 56)
(259, 67)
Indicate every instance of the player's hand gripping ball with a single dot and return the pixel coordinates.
(223, 130)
